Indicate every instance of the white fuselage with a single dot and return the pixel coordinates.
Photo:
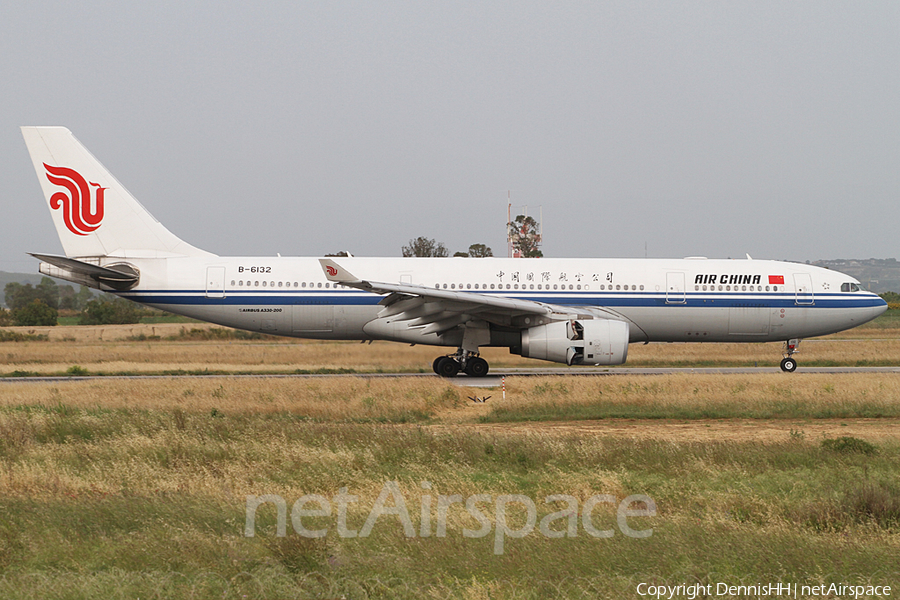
(664, 300)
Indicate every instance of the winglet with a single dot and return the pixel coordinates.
(336, 273)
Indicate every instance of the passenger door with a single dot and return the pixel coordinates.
(803, 289)
(675, 293)
(215, 282)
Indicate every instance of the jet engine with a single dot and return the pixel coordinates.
(578, 342)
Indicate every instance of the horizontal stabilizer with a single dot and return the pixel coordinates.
(119, 277)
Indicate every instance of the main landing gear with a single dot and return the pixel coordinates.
(788, 364)
(468, 362)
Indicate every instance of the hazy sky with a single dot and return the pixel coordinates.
(696, 128)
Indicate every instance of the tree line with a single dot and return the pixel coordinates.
(40, 305)
(425, 247)
(524, 233)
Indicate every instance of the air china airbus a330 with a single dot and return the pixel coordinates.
(575, 311)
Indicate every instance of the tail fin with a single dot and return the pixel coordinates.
(95, 216)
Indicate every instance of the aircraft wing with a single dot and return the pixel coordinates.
(440, 310)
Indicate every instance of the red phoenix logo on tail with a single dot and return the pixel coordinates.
(80, 217)
(331, 270)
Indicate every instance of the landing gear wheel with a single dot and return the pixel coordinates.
(447, 367)
(434, 365)
(476, 367)
(788, 365)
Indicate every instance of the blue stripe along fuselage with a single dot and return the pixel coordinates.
(616, 299)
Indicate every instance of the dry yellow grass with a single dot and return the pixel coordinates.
(163, 416)
(287, 355)
(686, 407)
(95, 333)
(818, 390)
(384, 398)
(761, 431)
(336, 398)
(276, 355)
(175, 406)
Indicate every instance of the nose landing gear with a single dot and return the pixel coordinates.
(788, 364)
(468, 362)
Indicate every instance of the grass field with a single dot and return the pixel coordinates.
(180, 348)
(138, 489)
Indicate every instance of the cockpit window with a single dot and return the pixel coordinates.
(849, 287)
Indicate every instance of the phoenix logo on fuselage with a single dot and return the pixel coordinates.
(80, 217)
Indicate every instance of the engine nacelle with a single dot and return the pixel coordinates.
(589, 342)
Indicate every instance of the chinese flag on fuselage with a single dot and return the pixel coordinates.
(776, 279)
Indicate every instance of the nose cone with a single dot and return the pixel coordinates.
(872, 309)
